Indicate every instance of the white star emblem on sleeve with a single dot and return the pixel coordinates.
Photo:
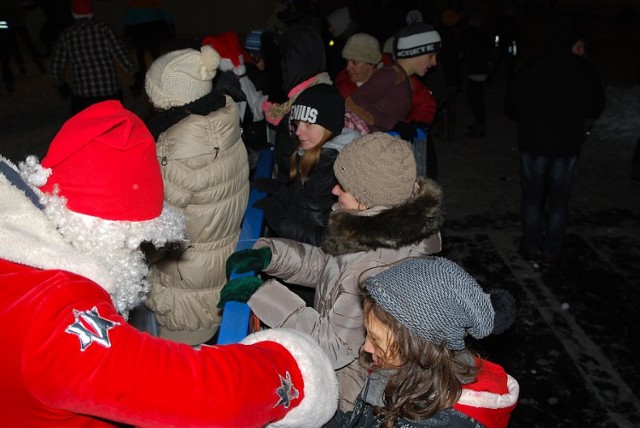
(286, 391)
(90, 328)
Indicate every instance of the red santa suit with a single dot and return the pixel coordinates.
(69, 359)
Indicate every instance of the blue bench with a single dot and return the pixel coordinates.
(235, 316)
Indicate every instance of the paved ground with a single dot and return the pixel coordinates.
(573, 348)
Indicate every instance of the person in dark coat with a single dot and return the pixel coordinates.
(297, 208)
(302, 62)
(554, 98)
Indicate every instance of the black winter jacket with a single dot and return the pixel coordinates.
(554, 98)
(304, 209)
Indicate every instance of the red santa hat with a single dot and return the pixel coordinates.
(103, 161)
(228, 46)
(81, 8)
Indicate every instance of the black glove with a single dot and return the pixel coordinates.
(405, 130)
(270, 186)
(273, 212)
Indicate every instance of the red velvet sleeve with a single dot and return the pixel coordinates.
(83, 357)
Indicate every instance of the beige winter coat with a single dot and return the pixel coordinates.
(356, 246)
(206, 173)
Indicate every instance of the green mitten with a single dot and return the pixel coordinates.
(239, 290)
(249, 260)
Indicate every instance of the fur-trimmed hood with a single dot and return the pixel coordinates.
(351, 231)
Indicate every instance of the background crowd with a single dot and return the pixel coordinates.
(193, 87)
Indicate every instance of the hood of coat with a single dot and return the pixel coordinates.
(345, 137)
(302, 55)
(351, 231)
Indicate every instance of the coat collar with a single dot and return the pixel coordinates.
(395, 227)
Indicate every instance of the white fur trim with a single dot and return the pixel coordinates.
(35, 241)
(490, 400)
(420, 39)
(320, 383)
(225, 64)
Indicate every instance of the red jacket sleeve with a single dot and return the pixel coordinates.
(81, 356)
(423, 103)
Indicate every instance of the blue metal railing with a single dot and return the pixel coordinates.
(235, 316)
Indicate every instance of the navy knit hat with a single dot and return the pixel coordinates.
(321, 104)
(440, 302)
(416, 40)
(253, 42)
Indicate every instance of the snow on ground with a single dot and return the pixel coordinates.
(620, 120)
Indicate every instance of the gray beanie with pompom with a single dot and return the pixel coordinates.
(440, 302)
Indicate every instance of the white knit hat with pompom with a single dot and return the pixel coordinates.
(181, 77)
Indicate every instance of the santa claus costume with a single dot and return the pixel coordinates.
(70, 268)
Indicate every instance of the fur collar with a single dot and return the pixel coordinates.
(401, 225)
(35, 241)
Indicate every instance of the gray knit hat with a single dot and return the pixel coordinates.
(362, 47)
(377, 169)
(440, 302)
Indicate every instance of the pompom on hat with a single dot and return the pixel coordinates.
(377, 169)
(416, 40)
(362, 47)
(103, 162)
(414, 16)
(321, 104)
(440, 302)
(181, 77)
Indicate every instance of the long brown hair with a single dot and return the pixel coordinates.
(429, 377)
(303, 164)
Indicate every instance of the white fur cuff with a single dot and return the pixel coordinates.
(320, 384)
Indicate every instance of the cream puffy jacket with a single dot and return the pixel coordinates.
(206, 173)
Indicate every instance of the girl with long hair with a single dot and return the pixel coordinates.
(298, 208)
(416, 316)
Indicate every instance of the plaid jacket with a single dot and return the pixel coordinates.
(90, 46)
